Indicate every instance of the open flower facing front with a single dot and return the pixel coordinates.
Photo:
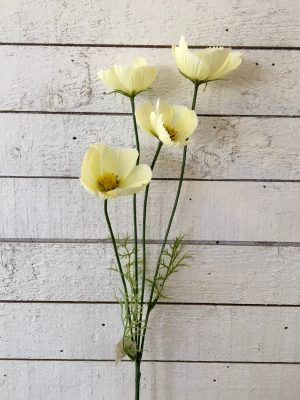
(129, 80)
(205, 65)
(110, 173)
(171, 124)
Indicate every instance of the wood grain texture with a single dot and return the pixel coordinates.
(65, 79)
(218, 274)
(134, 22)
(223, 148)
(243, 211)
(93, 381)
(179, 332)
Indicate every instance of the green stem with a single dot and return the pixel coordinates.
(137, 378)
(144, 238)
(196, 87)
(136, 266)
(152, 303)
(135, 128)
(118, 261)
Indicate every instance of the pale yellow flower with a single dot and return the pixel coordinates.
(171, 124)
(205, 65)
(110, 173)
(129, 80)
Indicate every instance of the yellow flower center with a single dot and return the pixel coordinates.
(171, 131)
(107, 182)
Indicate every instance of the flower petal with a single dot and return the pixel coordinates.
(161, 131)
(136, 181)
(165, 110)
(190, 65)
(89, 184)
(143, 77)
(126, 161)
(125, 76)
(215, 57)
(185, 121)
(142, 114)
(110, 79)
(234, 60)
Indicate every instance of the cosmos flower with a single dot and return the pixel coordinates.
(109, 173)
(129, 80)
(205, 65)
(171, 124)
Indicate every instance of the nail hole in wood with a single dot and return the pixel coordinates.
(217, 241)
(286, 327)
(61, 351)
(226, 29)
(103, 324)
(74, 138)
(256, 63)
(215, 380)
(273, 64)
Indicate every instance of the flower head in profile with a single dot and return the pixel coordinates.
(205, 65)
(109, 173)
(129, 80)
(171, 124)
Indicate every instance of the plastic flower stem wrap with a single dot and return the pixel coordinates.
(110, 173)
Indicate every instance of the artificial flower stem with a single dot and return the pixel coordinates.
(135, 127)
(137, 378)
(144, 238)
(136, 272)
(118, 261)
(151, 304)
(196, 87)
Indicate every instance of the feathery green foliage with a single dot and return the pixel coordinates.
(171, 261)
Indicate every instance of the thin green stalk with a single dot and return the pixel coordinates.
(135, 128)
(144, 238)
(136, 270)
(137, 378)
(118, 261)
(151, 304)
(196, 87)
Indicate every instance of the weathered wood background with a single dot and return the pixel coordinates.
(232, 330)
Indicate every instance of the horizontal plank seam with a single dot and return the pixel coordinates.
(154, 241)
(175, 303)
(122, 114)
(153, 361)
(262, 180)
(143, 46)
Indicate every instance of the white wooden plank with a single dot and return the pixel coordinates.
(135, 22)
(61, 208)
(25, 380)
(218, 274)
(223, 148)
(65, 79)
(213, 333)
